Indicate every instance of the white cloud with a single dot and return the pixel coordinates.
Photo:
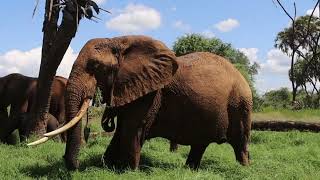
(182, 26)
(277, 62)
(67, 62)
(316, 12)
(134, 19)
(227, 25)
(208, 33)
(99, 1)
(251, 53)
(28, 62)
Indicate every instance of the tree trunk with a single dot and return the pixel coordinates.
(294, 92)
(56, 41)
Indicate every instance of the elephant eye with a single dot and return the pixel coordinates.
(114, 50)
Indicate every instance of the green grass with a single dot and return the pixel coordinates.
(289, 155)
(305, 115)
(274, 155)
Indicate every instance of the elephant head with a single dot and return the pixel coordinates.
(124, 68)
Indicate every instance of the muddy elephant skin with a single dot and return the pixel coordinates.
(19, 92)
(205, 100)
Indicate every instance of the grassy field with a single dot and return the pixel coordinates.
(305, 115)
(274, 155)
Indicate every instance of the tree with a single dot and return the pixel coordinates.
(56, 39)
(301, 41)
(306, 66)
(198, 43)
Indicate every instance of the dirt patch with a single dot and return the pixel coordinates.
(285, 126)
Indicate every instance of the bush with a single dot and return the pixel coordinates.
(277, 98)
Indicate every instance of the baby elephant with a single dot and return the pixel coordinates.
(25, 118)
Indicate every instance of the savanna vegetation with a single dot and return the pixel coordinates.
(280, 155)
(274, 155)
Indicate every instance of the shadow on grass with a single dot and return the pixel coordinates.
(147, 163)
(225, 169)
(53, 171)
(57, 170)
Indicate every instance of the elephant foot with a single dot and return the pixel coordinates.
(118, 161)
(195, 156)
(242, 155)
(119, 157)
(71, 164)
(111, 156)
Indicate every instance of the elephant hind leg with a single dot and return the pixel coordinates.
(195, 156)
(239, 135)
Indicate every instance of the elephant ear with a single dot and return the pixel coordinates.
(144, 67)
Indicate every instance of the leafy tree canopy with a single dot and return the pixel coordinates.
(305, 35)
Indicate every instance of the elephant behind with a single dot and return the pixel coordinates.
(19, 92)
(205, 100)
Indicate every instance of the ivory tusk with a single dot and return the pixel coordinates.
(40, 141)
(67, 126)
(71, 123)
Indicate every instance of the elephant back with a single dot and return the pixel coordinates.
(206, 77)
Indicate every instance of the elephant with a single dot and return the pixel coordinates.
(108, 125)
(22, 120)
(19, 92)
(195, 99)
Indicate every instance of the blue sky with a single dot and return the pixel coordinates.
(249, 25)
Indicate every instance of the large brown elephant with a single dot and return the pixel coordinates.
(19, 92)
(205, 100)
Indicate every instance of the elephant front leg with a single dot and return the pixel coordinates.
(112, 154)
(124, 150)
(130, 150)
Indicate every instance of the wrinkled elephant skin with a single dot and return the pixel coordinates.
(194, 99)
(19, 92)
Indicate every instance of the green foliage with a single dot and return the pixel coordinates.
(302, 36)
(277, 98)
(198, 43)
(307, 99)
(97, 98)
(281, 98)
(303, 39)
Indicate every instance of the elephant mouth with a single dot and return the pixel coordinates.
(64, 128)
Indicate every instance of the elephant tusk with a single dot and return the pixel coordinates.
(71, 123)
(40, 141)
(67, 126)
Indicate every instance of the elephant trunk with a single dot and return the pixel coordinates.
(76, 93)
(108, 118)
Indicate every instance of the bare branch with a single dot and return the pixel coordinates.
(292, 19)
(35, 8)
